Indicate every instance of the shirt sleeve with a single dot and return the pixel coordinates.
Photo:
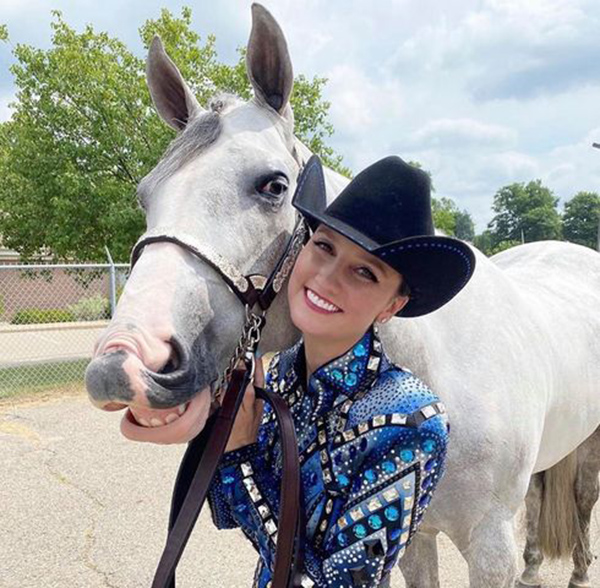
(229, 490)
(389, 495)
(226, 494)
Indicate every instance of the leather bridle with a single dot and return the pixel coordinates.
(204, 453)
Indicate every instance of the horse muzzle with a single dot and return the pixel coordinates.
(117, 377)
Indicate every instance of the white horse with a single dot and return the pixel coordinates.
(515, 356)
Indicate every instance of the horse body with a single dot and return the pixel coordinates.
(514, 356)
(516, 359)
(559, 286)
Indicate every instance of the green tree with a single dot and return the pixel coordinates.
(464, 227)
(525, 211)
(444, 212)
(581, 219)
(502, 246)
(451, 220)
(84, 132)
(483, 241)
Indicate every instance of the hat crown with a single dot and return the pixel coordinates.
(388, 201)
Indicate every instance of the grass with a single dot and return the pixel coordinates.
(32, 380)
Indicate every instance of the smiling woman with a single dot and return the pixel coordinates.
(337, 290)
(372, 437)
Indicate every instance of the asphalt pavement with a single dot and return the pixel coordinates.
(82, 507)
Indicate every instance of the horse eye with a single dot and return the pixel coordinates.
(275, 187)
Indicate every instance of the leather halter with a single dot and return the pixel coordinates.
(250, 289)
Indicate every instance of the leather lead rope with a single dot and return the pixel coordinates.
(198, 468)
(196, 471)
(290, 527)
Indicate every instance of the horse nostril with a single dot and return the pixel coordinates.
(108, 406)
(171, 365)
(173, 362)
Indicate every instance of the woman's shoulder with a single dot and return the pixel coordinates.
(396, 391)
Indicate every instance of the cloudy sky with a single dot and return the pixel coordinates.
(481, 92)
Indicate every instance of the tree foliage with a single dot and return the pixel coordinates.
(525, 211)
(581, 219)
(454, 222)
(464, 227)
(84, 132)
(444, 212)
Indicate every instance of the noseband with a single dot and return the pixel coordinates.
(250, 289)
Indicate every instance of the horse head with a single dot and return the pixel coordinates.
(226, 181)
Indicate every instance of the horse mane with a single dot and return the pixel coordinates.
(201, 132)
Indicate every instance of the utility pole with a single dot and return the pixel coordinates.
(597, 146)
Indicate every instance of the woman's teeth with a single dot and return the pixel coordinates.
(317, 301)
(158, 420)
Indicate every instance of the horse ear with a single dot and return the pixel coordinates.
(172, 97)
(268, 61)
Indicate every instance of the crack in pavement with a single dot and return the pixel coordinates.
(88, 560)
(14, 424)
(89, 533)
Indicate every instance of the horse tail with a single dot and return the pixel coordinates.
(559, 528)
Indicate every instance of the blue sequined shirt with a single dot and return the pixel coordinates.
(372, 440)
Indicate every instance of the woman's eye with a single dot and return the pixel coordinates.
(323, 245)
(367, 273)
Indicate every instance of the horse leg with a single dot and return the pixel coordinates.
(419, 564)
(532, 555)
(587, 489)
(492, 551)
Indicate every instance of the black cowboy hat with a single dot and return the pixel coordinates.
(386, 209)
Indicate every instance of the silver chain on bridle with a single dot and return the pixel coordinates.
(255, 321)
(245, 349)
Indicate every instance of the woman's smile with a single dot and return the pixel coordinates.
(318, 303)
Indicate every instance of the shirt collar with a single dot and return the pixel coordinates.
(344, 377)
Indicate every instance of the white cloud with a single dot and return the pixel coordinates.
(359, 104)
(5, 111)
(510, 48)
(9, 8)
(463, 133)
(573, 168)
(509, 167)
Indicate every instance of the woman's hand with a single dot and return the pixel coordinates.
(249, 415)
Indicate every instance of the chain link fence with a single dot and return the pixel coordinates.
(50, 318)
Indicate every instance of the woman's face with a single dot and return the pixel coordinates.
(337, 289)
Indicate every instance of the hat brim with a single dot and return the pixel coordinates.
(436, 268)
